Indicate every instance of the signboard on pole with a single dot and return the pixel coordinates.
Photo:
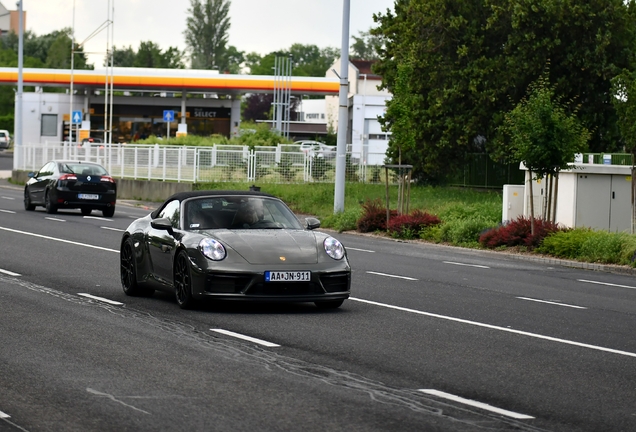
(77, 117)
(168, 117)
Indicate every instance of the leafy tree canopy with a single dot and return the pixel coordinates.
(473, 59)
(366, 46)
(149, 55)
(307, 60)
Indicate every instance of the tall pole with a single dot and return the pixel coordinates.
(17, 160)
(343, 113)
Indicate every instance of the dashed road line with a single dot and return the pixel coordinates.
(7, 211)
(606, 283)
(55, 219)
(101, 299)
(9, 273)
(247, 338)
(392, 276)
(59, 240)
(465, 265)
(476, 404)
(113, 229)
(359, 250)
(552, 303)
(98, 218)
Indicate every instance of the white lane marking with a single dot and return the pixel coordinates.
(247, 338)
(4, 415)
(466, 265)
(113, 229)
(476, 404)
(10, 273)
(606, 283)
(98, 218)
(55, 219)
(359, 250)
(59, 240)
(7, 211)
(393, 276)
(116, 303)
(494, 327)
(551, 302)
(8, 198)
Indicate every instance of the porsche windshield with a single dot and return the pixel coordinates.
(238, 212)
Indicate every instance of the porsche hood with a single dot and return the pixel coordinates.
(272, 246)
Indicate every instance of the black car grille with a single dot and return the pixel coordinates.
(285, 288)
(227, 283)
(336, 282)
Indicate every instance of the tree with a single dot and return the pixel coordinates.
(473, 59)
(366, 46)
(307, 60)
(544, 134)
(206, 34)
(149, 55)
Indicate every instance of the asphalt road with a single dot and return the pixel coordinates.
(6, 160)
(433, 338)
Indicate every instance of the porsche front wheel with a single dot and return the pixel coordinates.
(183, 281)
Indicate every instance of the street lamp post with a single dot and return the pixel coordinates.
(343, 113)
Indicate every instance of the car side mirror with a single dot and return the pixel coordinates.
(312, 223)
(162, 224)
(31, 174)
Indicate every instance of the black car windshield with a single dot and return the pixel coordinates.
(238, 212)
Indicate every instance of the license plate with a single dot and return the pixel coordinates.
(88, 196)
(287, 276)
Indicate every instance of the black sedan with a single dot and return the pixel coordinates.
(71, 185)
(233, 245)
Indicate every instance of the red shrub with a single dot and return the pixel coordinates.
(409, 226)
(517, 233)
(373, 216)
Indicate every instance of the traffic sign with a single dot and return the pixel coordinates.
(77, 117)
(168, 115)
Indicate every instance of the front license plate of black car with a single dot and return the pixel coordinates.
(287, 276)
(88, 196)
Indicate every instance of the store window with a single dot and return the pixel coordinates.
(49, 125)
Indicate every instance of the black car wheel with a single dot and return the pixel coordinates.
(183, 281)
(86, 211)
(51, 208)
(331, 304)
(28, 206)
(108, 212)
(128, 271)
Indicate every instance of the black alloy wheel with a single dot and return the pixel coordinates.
(128, 271)
(183, 281)
(28, 205)
(86, 211)
(330, 304)
(51, 208)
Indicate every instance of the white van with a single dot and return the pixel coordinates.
(5, 139)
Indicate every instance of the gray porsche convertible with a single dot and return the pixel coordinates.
(233, 245)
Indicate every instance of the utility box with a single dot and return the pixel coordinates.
(512, 202)
(590, 195)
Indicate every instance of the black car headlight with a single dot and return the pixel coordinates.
(334, 248)
(212, 249)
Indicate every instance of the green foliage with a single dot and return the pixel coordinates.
(207, 33)
(366, 46)
(462, 232)
(624, 100)
(149, 55)
(591, 246)
(308, 60)
(320, 168)
(565, 244)
(285, 168)
(343, 221)
(466, 63)
(541, 133)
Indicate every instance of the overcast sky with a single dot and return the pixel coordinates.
(262, 26)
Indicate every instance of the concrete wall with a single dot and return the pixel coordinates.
(143, 190)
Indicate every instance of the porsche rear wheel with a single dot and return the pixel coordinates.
(183, 281)
(28, 206)
(331, 304)
(128, 271)
(51, 208)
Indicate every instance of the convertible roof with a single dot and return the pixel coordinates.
(203, 193)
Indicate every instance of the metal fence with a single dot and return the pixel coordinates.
(219, 163)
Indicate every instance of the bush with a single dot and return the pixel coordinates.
(517, 233)
(373, 216)
(464, 232)
(565, 244)
(409, 226)
(343, 221)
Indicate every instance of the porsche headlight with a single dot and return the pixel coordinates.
(334, 248)
(212, 249)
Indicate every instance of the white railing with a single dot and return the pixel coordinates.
(219, 163)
